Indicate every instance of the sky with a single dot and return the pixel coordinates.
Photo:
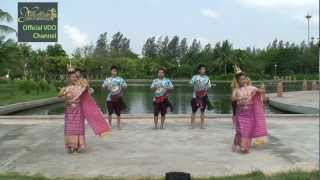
(245, 23)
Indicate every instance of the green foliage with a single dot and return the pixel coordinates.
(11, 93)
(27, 86)
(57, 84)
(179, 59)
(4, 81)
(56, 50)
(307, 76)
(44, 86)
(6, 17)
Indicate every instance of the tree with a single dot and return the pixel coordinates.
(124, 46)
(8, 55)
(182, 50)
(224, 56)
(195, 47)
(56, 50)
(150, 48)
(194, 52)
(163, 47)
(183, 47)
(173, 49)
(101, 49)
(115, 42)
(120, 46)
(86, 51)
(5, 16)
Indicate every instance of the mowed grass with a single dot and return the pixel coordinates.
(292, 175)
(10, 94)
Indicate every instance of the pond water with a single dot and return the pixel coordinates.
(138, 98)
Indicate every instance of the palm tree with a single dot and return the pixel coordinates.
(5, 16)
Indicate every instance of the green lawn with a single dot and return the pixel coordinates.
(10, 94)
(294, 175)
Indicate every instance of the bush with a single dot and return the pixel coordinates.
(221, 77)
(27, 86)
(307, 77)
(4, 81)
(58, 85)
(44, 86)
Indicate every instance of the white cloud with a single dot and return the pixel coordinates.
(279, 3)
(210, 13)
(77, 37)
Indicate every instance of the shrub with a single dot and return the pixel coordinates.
(58, 85)
(27, 86)
(307, 77)
(44, 86)
(4, 81)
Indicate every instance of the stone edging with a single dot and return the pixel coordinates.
(7, 109)
(290, 107)
(148, 116)
(293, 108)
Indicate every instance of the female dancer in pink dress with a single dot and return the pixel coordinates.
(248, 118)
(79, 106)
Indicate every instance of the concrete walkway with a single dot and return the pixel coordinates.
(304, 102)
(35, 145)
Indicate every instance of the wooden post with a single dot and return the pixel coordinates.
(263, 95)
(305, 85)
(279, 89)
(314, 85)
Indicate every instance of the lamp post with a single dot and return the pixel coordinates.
(312, 40)
(70, 63)
(8, 74)
(308, 17)
(275, 69)
(25, 71)
(42, 71)
(101, 71)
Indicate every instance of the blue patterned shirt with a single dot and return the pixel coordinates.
(114, 85)
(161, 86)
(200, 82)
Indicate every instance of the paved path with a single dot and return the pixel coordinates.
(35, 145)
(305, 102)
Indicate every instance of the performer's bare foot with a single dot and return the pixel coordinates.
(162, 122)
(235, 148)
(70, 150)
(105, 134)
(244, 151)
(79, 150)
(155, 127)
